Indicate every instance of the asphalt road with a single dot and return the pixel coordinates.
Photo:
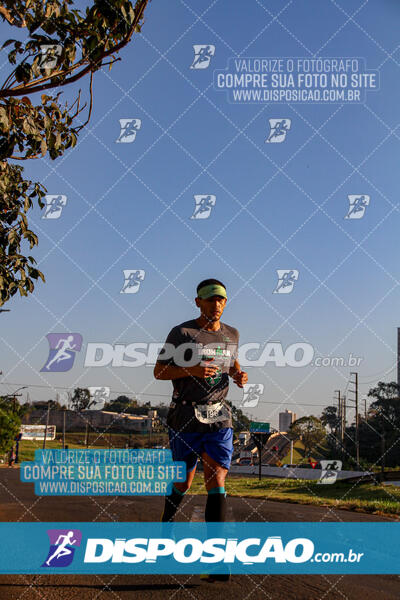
(18, 503)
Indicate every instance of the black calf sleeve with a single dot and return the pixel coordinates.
(216, 505)
(172, 503)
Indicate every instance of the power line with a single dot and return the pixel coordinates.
(149, 394)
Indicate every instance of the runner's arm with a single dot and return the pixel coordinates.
(239, 377)
(235, 369)
(164, 371)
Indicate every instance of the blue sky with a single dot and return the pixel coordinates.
(278, 206)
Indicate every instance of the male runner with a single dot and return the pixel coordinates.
(199, 356)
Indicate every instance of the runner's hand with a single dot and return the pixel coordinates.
(204, 371)
(240, 378)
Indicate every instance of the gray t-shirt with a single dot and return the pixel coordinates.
(198, 404)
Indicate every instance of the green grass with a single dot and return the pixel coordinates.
(27, 448)
(361, 497)
(77, 440)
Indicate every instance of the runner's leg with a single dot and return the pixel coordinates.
(179, 489)
(214, 479)
(183, 449)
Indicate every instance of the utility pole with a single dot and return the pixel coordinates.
(339, 413)
(343, 417)
(356, 402)
(150, 425)
(382, 476)
(63, 436)
(87, 432)
(398, 356)
(47, 424)
(13, 397)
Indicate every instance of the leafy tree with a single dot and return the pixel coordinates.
(330, 418)
(122, 404)
(10, 404)
(81, 400)
(385, 410)
(310, 431)
(10, 425)
(239, 419)
(383, 434)
(62, 46)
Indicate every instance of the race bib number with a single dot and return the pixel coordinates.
(212, 413)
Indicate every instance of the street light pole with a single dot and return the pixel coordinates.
(357, 441)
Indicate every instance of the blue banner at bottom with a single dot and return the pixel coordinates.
(175, 548)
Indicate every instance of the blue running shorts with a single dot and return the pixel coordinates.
(189, 446)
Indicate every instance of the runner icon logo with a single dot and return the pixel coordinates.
(204, 204)
(286, 280)
(357, 206)
(129, 128)
(54, 205)
(49, 55)
(251, 394)
(202, 56)
(99, 396)
(133, 279)
(62, 351)
(278, 130)
(62, 547)
(330, 470)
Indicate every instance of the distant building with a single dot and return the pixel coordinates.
(286, 419)
(97, 419)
